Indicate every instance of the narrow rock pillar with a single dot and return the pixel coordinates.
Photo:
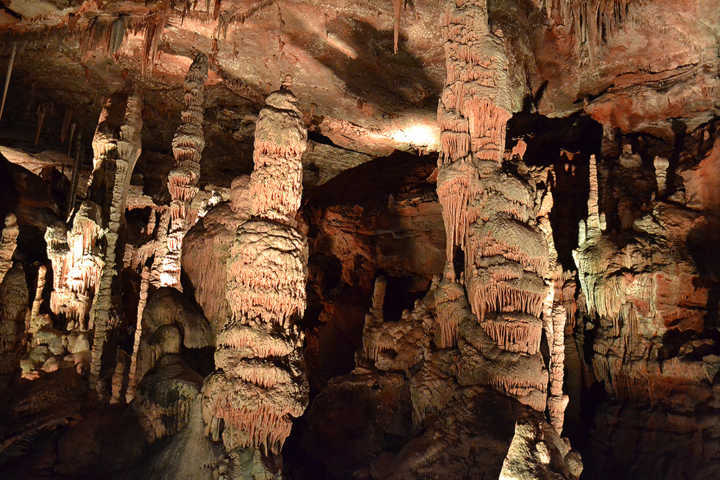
(187, 146)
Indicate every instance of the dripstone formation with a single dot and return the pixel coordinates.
(187, 146)
(376, 240)
(83, 256)
(260, 387)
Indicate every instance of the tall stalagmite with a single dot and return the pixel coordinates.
(260, 385)
(187, 145)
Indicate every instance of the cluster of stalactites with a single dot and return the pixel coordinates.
(253, 406)
(280, 141)
(593, 20)
(475, 103)
(514, 332)
(266, 272)
(77, 261)
(506, 257)
(473, 111)
(189, 140)
(260, 387)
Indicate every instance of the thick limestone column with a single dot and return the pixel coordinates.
(492, 215)
(187, 145)
(260, 385)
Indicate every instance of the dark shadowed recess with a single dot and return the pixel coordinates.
(371, 182)
(566, 144)
(337, 301)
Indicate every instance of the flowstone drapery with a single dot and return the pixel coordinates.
(260, 385)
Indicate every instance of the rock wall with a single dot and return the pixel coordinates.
(647, 286)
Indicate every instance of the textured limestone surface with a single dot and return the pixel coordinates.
(254, 239)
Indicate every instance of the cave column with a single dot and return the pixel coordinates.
(187, 146)
(116, 147)
(491, 214)
(260, 385)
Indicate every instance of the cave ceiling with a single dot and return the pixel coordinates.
(654, 65)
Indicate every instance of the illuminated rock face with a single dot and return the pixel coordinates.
(7, 244)
(187, 146)
(639, 292)
(260, 386)
(13, 309)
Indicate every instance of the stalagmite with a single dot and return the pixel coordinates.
(661, 166)
(75, 178)
(8, 75)
(594, 224)
(8, 241)
(187, 145)
(132, 374)
(34, 320)
(118, 377)
(450, 300)
(163, 270)
(260, 386)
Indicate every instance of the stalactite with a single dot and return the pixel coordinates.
(75, 178)
(142, 302)
(117, 35)
(397, 5)
(515, 336)
(153, 30)
(261, 386)
(453, 190)
(65, 127)
(594, 21)
(8, 75)
(42, 111)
